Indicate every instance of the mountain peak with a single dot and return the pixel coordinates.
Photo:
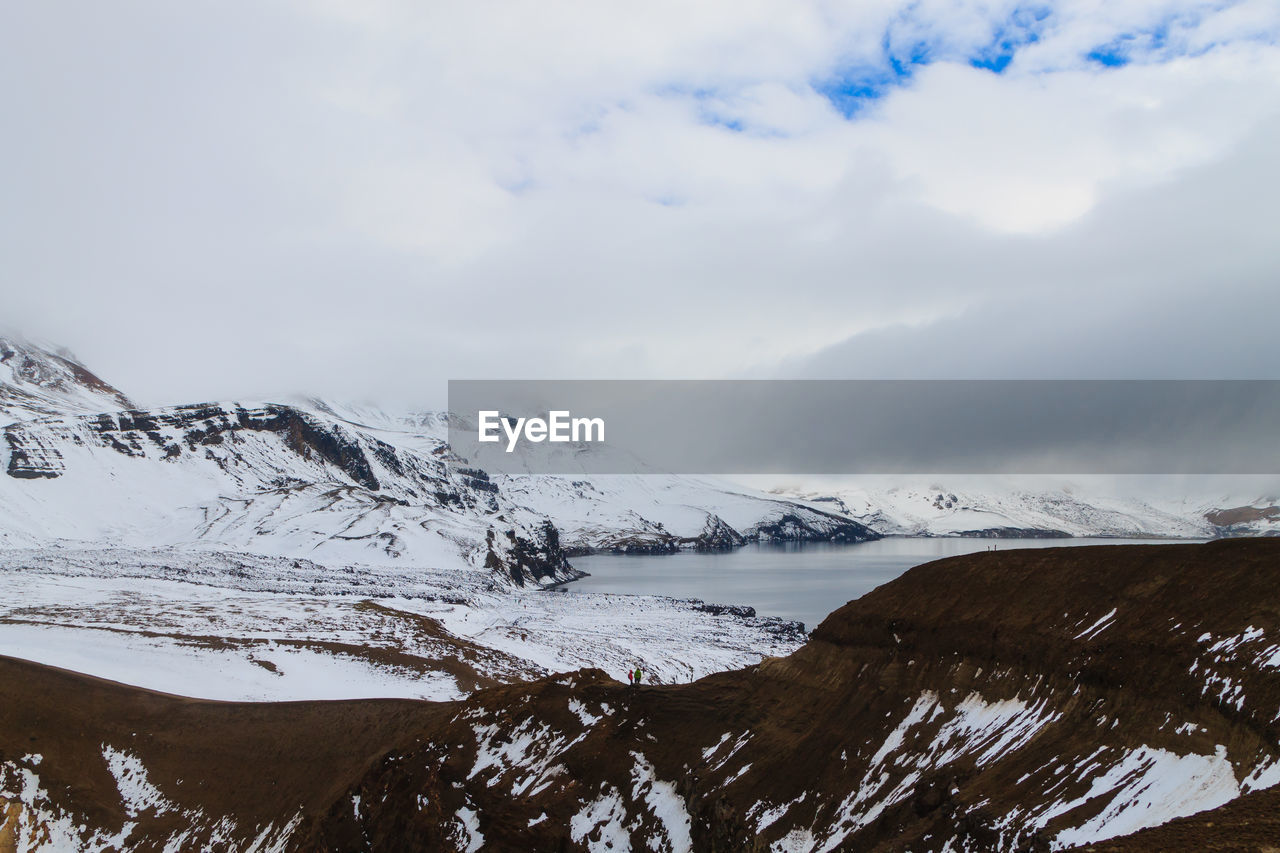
(39, 381)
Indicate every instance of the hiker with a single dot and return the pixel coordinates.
(631, 677)
(637, 675)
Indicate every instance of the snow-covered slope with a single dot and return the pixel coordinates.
(1231, 512)
(1021, 509)
(270, 478)
(235, 626)
(657, 513)
(311, 549)
(340, 484)
(640, 512)
(37, 381)
(84, 466)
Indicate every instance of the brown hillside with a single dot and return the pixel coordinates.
(1018, 700)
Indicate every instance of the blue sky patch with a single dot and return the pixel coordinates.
(851, 89)
(1112, 55)
(719, 119)
(1160, 42)
(1022, 28)
(855, 87)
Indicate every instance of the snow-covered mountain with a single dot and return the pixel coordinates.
(657, 513)
(340, 483)
(634, 513)
(334, 483)
(306, 549)
(263, 478)
(36, 381)
(1020, 509)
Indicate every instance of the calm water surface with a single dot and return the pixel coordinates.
(804, 582)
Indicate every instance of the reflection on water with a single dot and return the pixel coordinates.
(792, 580)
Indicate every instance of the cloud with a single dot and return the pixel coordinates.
(365, 198)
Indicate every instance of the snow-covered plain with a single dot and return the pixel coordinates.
(248, 627)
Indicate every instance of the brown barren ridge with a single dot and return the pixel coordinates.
(975, 702)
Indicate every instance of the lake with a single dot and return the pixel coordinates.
(801, 581)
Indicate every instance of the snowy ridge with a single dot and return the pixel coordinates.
(134, 526)
(268, 478)
(1015, 509)
(658, 512)
(343, 485)
(38, 381)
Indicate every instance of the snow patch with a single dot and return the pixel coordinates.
(135, 787)
(469, 830)
(607, 814)
(795, 841)
(665, 805)
(1148, 787)
(588, 719)
(1264, 775)
(1097, 627)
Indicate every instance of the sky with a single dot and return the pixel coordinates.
(360, 200)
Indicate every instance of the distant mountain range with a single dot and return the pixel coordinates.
(342, 483)
(1017, 510)
(328, 482)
